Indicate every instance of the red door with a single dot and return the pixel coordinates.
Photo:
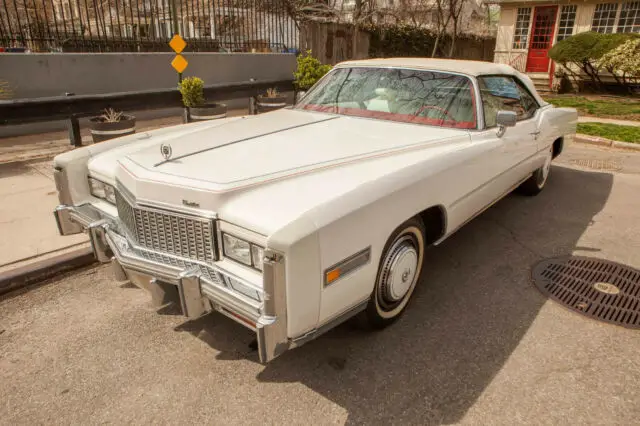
(544, 22)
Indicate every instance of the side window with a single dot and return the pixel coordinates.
(529, 105)
(505, 93)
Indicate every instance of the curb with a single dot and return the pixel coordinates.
(9, 159)
(44, 269)
(594, 140)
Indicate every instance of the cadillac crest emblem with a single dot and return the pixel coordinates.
(165, 150)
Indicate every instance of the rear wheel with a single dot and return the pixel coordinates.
(535, 184)
(398, 273)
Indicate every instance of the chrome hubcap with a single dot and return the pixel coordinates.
(399, 272)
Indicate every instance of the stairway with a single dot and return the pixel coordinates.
(541, 81)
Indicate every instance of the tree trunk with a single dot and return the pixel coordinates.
(435, 46)
(453, 38)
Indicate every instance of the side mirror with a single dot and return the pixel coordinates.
(505, 119)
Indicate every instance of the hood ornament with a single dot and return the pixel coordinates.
(166, 151)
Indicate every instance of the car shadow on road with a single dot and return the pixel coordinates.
(472, 308)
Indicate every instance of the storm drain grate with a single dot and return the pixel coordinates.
(597, 288)
(597, 164)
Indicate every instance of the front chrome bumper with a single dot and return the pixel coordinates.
(199, 289)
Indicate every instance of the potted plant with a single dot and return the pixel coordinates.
(198, 109)
(308, 71)
(271, 101)
(111, 124)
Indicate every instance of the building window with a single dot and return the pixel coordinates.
(629, 21)
(604, 18)
(567, 20)
(521, 33)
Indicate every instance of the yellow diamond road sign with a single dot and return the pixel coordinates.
(177, 43)
(179, 63)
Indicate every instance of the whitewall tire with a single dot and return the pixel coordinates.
(536, 183)
(399, 271)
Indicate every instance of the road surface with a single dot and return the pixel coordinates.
(478, 344)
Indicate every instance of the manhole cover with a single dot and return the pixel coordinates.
(600, 289)
(591, 163)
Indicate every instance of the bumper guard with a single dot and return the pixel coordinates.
(199, 292)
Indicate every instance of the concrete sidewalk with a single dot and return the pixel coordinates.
(583, 119)
(27, 225)
(30, 238)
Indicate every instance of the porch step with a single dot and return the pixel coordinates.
(540, 81)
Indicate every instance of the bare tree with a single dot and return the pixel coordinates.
(364, 11)
(303, 10)
(443, 17)
(455, 11)
(416, 13)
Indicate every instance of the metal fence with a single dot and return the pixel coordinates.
(146, 25)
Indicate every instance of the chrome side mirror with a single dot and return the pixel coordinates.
(505, 119)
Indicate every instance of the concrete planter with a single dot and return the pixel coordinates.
(207, 112)
(103, 130)
(266, 104)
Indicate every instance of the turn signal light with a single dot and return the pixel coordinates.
(347, 266)
(333, 275)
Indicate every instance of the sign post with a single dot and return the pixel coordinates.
(179, 63)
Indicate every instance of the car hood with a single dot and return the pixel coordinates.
(262, 171)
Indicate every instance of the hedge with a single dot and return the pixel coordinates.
(584, 51)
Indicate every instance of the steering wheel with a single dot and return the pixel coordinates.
(437, 108)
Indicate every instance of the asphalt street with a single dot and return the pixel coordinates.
(478, 344)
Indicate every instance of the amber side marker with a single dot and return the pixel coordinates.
(346, 266)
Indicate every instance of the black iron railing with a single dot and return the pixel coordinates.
(146, 25)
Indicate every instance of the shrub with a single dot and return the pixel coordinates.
(308, 71)
(192, 91)
(577, 48)
(623, 62)
(403, 40)
(400, 40)
(584, 51)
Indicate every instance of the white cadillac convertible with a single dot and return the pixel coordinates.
(293, 221)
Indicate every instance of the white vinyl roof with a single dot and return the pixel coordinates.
(453, 65)
(471, 68)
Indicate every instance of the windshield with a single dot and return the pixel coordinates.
(403, 95)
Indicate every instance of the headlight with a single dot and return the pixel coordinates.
(242, 251)
(257, 254)
(102, 190)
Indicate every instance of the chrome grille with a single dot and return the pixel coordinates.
(180, 235)
(125, 213)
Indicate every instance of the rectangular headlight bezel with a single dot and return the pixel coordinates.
(102, 190)
(253, 250)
